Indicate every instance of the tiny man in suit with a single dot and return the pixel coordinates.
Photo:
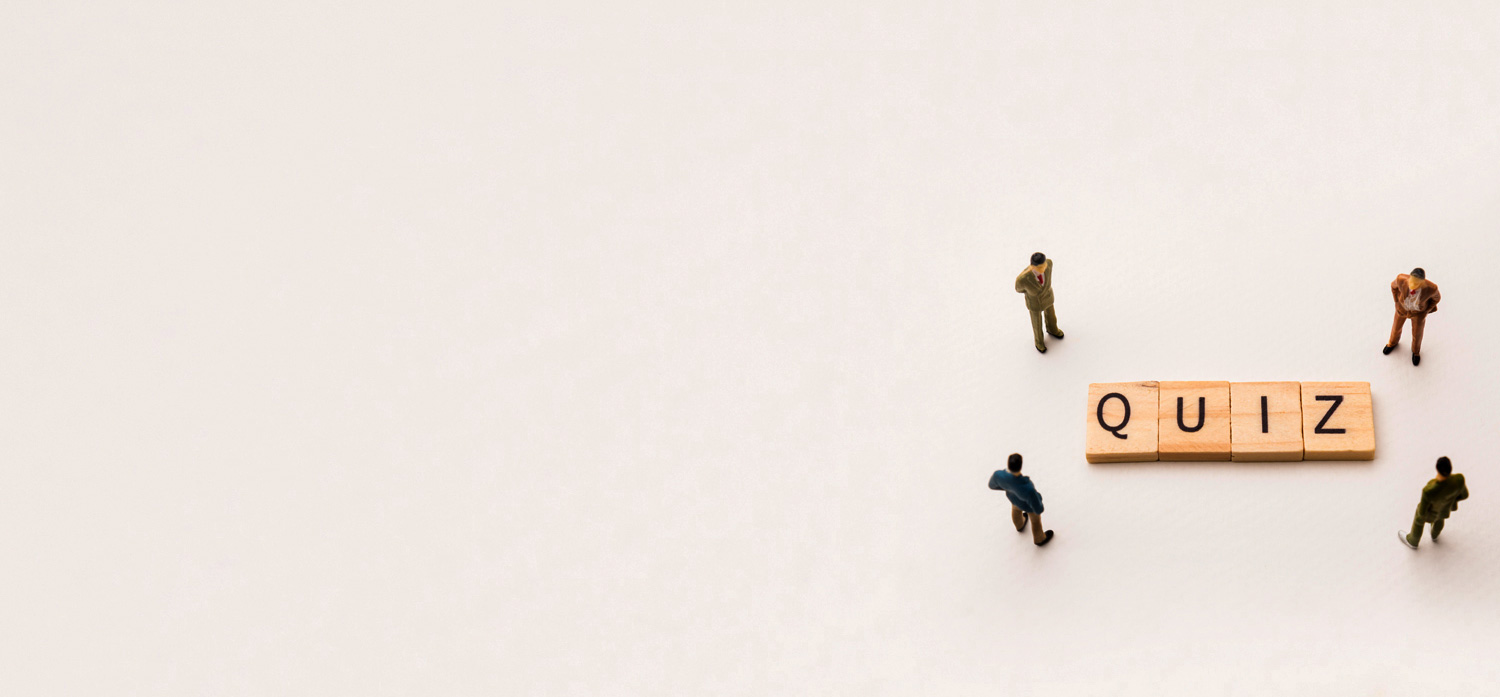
(1439, 498)
(1036, 283)
(1025, 502)
(1416, 297)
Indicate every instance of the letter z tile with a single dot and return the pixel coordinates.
(1338, 421)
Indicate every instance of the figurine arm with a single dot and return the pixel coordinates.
(1433, 301)
(1021, 280)
(1428, 504)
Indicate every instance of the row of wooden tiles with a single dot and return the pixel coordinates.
(1247, 421)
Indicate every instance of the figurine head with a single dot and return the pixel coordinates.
(1419, 273)
(1444, 467)
(1038, 259)
(1014, 464)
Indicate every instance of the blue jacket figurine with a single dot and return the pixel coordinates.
(1024, 500)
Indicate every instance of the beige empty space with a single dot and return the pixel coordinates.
(1194, 435)
(1124, 430)
(1265, 421)
(1338, 421)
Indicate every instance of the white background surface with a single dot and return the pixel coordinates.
(418, 349)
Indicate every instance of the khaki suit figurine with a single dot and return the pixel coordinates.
(1416, 297)
(1036, 283)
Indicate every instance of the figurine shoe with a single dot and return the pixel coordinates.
(1041, 347)
(1401, 535)
(1416, 360)
(1058, 335)
(1387, 350)
(1048, 538)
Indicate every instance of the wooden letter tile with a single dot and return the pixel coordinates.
(1338, 421)
(1266, 421)
(1194, 421)
(1121, 424)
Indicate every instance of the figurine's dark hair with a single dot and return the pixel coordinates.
(1419, 273)
(1445, 466)
(1038, 258)
(1014, 464)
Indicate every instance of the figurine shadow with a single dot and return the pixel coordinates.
(1246, 465)
(1055, 347)
(1438, 564)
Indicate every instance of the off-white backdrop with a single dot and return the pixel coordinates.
(470, 349)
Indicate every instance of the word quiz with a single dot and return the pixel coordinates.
(1242, 421)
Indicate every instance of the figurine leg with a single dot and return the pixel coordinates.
(1051, 316)
(1395, 331)
(1018, 518)
(1037, 534)
(1418, 323)
(1036, 330)
(1437, 527)
(1415, 536)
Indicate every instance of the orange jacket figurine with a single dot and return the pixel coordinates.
(1416, 297)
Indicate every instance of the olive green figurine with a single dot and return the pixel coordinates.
(1439, 498)
(1036, 283)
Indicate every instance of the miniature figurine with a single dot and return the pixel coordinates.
(1036, 282)
(1024, 500)
(1416, 297)
(1439, 498)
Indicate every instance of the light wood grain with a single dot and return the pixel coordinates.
(1354, 415)
(1275, 438)
(1139, 443)
(1209, 442)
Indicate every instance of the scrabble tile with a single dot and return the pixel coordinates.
(1122, 421)
(1265, 421)
(1338, 421)
(1194, 421)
